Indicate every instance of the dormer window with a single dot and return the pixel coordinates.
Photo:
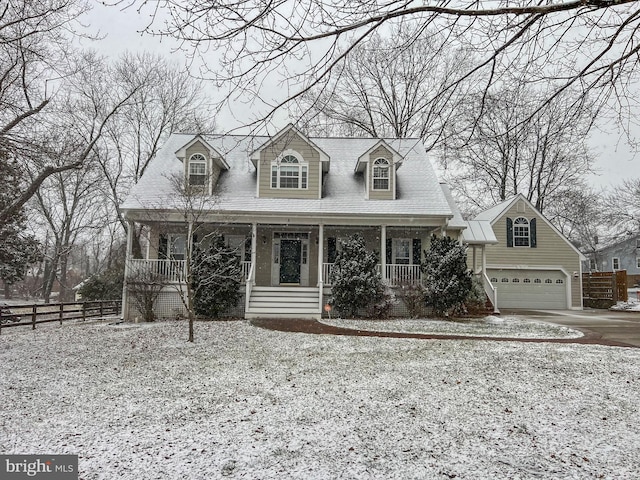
(381, 174)
(289, 172)
(197, 169)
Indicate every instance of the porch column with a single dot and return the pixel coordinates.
(475, 263)
(129, 251)
(383, 254)
(320, 254)
(254, 238)
(484, 259)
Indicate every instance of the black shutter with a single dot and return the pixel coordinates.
(331, 249)
(532, 233)
(162, 246)
(417, 251)
(509, 232)
(247, 249)
(389, 251)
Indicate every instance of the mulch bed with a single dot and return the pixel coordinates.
(315, 327)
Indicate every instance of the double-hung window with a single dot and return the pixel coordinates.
(381, 174)
(289, 172)
(521, 232)
(197, 169)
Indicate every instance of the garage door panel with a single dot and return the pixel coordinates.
(526, 292)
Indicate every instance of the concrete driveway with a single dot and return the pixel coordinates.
(615, 326)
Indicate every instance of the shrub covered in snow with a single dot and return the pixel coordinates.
(356, 283)
(216, 278)
(446, 276)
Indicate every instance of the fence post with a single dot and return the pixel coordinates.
(614, 286)
(84, 311)
(34, 315)
(61, 312)
(101, 308)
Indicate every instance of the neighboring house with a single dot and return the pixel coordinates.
(286, 201)
(529, 262)
(622, 255)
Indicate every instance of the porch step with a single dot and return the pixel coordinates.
(283, 302)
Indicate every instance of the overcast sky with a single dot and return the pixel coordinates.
(615, 160)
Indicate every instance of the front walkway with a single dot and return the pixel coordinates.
(599, 328)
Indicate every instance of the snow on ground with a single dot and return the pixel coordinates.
(633, 304)
(138, 402)
(490, 326)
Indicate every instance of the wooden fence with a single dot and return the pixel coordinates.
(601, 288)
(20, 315)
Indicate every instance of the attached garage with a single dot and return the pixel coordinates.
(530, 289)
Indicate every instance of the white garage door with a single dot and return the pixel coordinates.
(533, 289)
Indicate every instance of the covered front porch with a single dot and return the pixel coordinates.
(286, 268)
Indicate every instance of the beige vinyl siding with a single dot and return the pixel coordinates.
(264, 253)
(381, 152)
(551, 250)
(290, 141)
(212, 168)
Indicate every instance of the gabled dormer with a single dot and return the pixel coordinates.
(378, 165)
(290, 165)
(202, 164)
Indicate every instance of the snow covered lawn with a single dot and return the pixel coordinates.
(138, 402)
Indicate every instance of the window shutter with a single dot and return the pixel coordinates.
(509, 232)
(247, 249)
(162, 246)
(331, 249)
(417, 251)
(532, 233)
(389, 251)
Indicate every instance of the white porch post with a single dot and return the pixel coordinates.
(320, 254)
(383, 252)
(475, 263)
(125, 295)
(254, 238)
(484, 259)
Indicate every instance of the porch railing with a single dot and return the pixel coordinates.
(397, 274)
(172, 271)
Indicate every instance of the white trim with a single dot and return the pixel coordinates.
(396, 158)
(213, 153)
(387, 166)
(567, 282)
(509, 203)
(301, 164)
(290, 127)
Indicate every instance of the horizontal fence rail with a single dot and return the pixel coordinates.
(33, 314)
(610, 286)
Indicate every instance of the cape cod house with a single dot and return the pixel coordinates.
(286, 202)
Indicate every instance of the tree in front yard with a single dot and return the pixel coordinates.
(18, 249)
(356, 283)
(216, 278)
(446, 275)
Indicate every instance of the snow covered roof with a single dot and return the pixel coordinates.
(419, 193)
(493, 213)
(479, 232)
(456, 221)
